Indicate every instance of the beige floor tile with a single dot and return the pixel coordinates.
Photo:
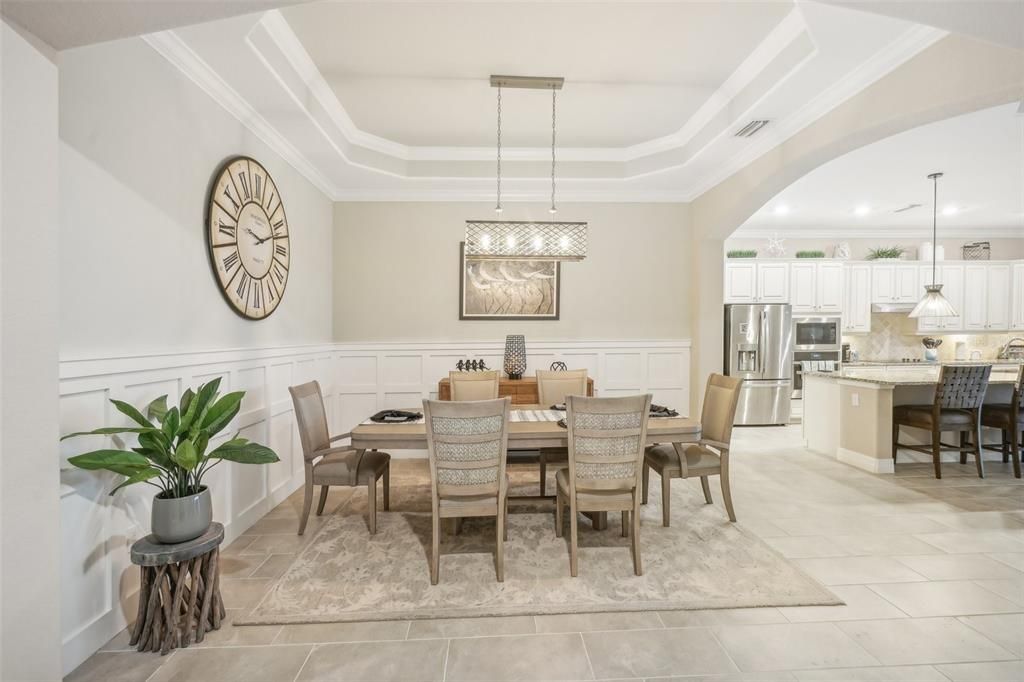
(523, 657)
(447, 628)
(119, 642)
(1012, 590)
(766, 676)
(883, 545)
(823, 524)
(805, 546)
(321, 633)
(976, 542)
(1011, 559)
(244, 635)
(1006, 630)
(791, 647)
(761, 527)
(861, 604)
(858, 570)
(1012, 671)
(948, 598)
(129, 666)
(278, 544)
(269, 525)
(239, 544)
(421, 661)
(709, 617)
(239, 565)
(979, 521)
(244, 593)
(249, 664)
(923, 641)
(273, 566)
(590, 622)
(656, 653)
(960, 567)
(903, 673)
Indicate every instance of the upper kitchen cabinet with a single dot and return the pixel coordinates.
(951, 277)
(894, 283)
(816, 287)
(751, 282)
(857, 299)
(1017, 297)
(986, 305)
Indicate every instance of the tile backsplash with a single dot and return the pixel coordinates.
(894, 336)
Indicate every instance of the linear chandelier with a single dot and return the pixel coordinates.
(505, 240)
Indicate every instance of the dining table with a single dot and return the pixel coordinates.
(530, 427)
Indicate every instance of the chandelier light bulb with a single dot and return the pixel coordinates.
(510, 241)
(564, 243)
(485, 241)
(538, 243)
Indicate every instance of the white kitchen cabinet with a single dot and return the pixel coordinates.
(816, 287)
(1017, 297)
(857, 299)
(986, 297)
(750, 282)
(951, 277)
(894, 283)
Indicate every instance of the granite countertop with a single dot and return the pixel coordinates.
(909, 375)
(926, 364)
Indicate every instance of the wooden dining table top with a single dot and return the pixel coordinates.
(521, 434)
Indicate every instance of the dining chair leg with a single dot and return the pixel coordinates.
(573, 550)
(1014, 446)
(635, 538)
(371, 504)
(706, 487)
(977, 445)
(726, 491)
(895, 439)
(307, 504)
(387, 487)
(323, 499)
(646, 481)
(558, 513)
(963, 447)
(936, 453)
(666, 497)
(435, 548)
(505, 513)
(543, 475)
(499, 541)
(625, 524)
(1006, 445)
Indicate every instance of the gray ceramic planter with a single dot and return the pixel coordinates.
(182, 518)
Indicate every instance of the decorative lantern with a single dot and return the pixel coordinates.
(515, 356)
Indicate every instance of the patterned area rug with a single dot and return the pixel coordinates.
(702, 561)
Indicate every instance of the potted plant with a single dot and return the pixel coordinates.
(171, 456)
(886, 253)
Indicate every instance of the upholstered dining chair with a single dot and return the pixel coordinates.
(552, 389)
(956, 407)
(1009, 419)
(474, 385)
(606, 449)
(707, 457)
(342, 465)
(467, 442)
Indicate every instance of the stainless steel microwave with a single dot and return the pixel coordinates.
(817, 333)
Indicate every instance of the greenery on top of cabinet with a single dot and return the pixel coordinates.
(886, 252)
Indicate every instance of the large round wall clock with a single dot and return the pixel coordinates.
(247, 236)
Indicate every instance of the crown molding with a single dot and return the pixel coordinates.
(172, 48)
(512, 197)
(891, 232)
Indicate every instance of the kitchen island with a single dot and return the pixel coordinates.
(848, 414)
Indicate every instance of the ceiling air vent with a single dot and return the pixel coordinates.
(907, 208)
(751, 128)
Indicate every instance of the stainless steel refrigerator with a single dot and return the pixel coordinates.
(759, 350)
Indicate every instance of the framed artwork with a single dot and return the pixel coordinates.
(508, 289)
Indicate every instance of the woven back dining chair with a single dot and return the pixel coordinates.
(1009, 419)
(959, 395)
(606, 449)
(553, 387)
(707, 457)
(474, 385)
(326, 465)
(467, 443)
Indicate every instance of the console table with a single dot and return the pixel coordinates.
(522, 391)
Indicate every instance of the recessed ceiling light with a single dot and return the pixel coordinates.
(950, 210)
(781, 209)
(862, 210)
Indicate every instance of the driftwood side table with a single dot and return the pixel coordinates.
(180, 593)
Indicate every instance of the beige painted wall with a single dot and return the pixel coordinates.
(396, 273)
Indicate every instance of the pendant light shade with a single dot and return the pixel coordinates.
(934, 304)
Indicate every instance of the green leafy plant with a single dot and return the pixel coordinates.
(810, 254)
(741, 253)
(172, 442)
(886, 252)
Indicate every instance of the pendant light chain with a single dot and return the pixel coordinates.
(935, 209)
(554, 92)
(497, 208)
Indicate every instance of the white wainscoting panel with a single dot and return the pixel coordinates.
(100, 585)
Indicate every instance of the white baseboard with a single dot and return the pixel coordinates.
(865, 462)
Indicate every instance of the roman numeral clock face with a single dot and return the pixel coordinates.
(247, 233)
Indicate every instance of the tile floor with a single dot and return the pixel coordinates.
(932, 573)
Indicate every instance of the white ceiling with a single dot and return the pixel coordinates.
(417, 74)
(981, 155)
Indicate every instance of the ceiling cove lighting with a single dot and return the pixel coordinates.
(862, 210)
(933, 303)
(510, 239)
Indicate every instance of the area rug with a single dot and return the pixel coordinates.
(701, 562)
